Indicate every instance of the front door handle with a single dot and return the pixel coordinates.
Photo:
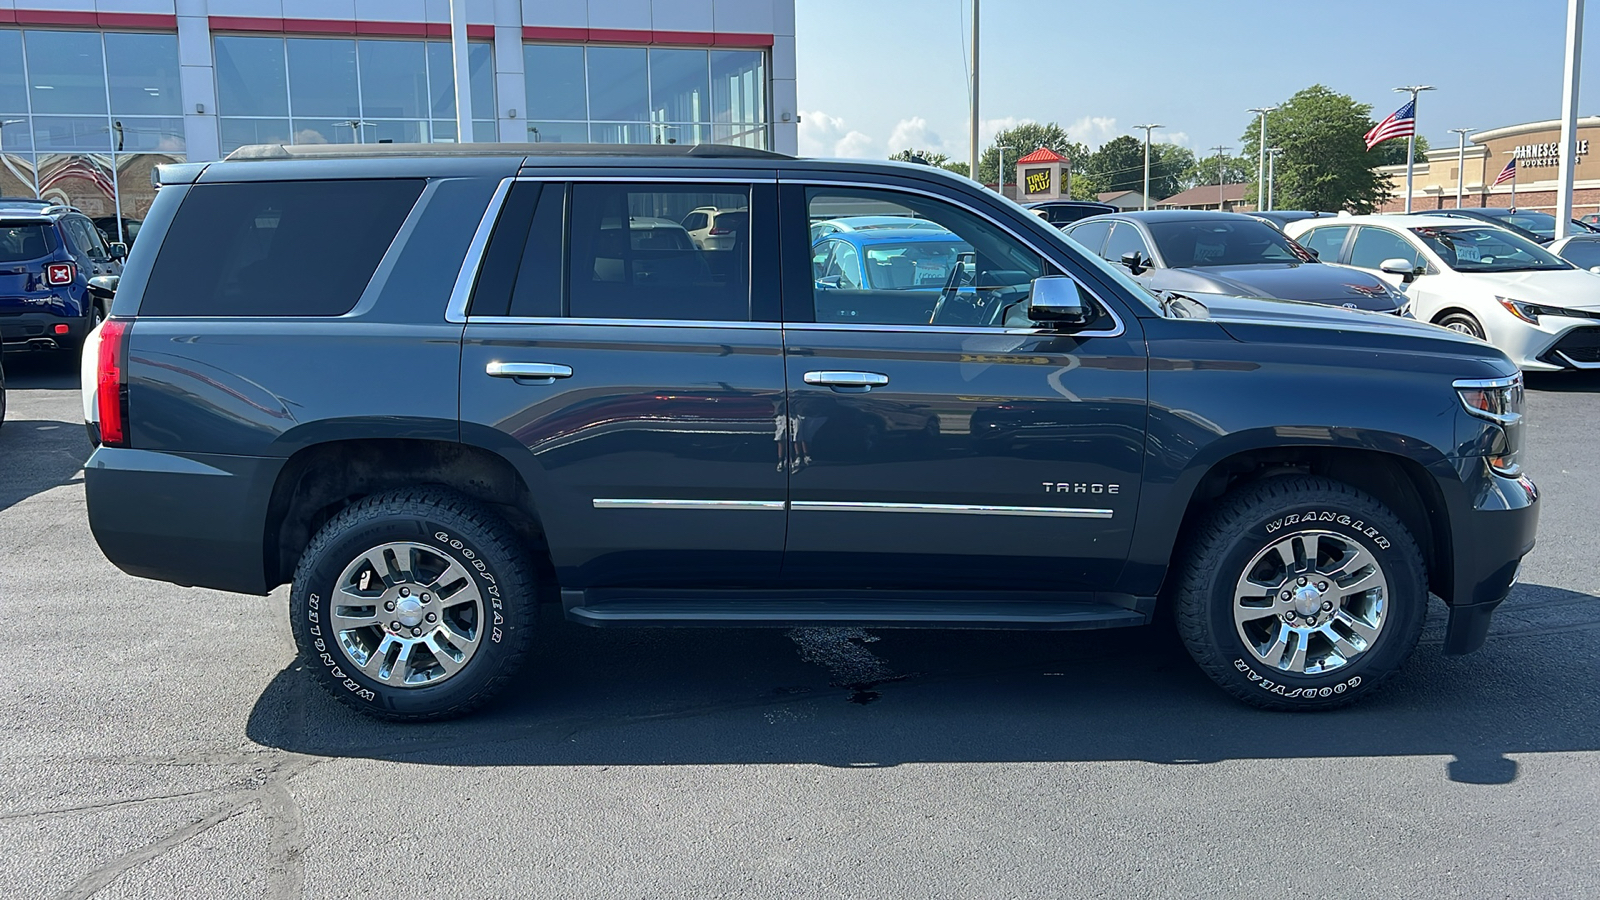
(535, 373)
(847, 382)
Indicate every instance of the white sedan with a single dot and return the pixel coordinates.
(1475, 278)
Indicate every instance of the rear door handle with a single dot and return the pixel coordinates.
(848, 382)
(537, 373)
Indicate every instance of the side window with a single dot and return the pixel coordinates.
(521, 270)
(631, 259)
(1327, 241)
(84, 237)
(694, 221)
(819, 259)
(1374, 245)
(276, 248)
(965, 271)
(1125, 238)
(1092, 235)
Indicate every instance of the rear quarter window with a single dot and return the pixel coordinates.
(276, 248)
(24, 241)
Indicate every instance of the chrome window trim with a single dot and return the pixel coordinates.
(624, 178)
(646, 323)
(455, 312)
(1116, 331)
(930, 329)
(626, 503)
(1058, 512)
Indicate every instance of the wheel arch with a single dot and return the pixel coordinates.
(319, 480)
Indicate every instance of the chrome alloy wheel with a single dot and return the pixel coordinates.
(407, 615)
(1311, 602)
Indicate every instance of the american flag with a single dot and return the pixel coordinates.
(1401, 123)
(1508, 173)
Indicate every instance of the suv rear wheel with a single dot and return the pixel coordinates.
(1301, 593)
(414, 604)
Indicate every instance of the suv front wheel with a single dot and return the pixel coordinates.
(413, 604)
(1301, 593)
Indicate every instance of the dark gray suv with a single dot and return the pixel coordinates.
(434, 387)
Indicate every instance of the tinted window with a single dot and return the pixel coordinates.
(84, 236)
(1374, 245)
(276, 248)
(1485, 248)
(1092, 235)
(965, 272)
(22, 242)
(1239, 241)
(631, 259)
(502, 259)
(1326, 241)
(1125, 238)
(1585, 254)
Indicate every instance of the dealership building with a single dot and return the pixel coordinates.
(93, 93)
(1537, 149)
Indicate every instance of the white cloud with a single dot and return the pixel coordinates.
(1094, 130)
(913, 134)
(825, 135)
(1181, 138)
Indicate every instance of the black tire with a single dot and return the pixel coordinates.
(2, 395)
(1465, 323)
(1239, 531)
(452, 527)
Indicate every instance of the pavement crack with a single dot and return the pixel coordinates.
(89, 884)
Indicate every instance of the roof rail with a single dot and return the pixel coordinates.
(357, 151)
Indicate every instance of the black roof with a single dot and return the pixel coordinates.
(389, 151)
(1080, 204)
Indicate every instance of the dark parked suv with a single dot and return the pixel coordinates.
(48, 256)
(434, 387)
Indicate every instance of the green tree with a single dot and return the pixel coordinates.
(1118, 165)
(1325, 164)
(1393, 152)
(1170, 166)
(1224, 169)
(931, 157)
(1024, 139)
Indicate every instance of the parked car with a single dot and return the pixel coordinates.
(1478, 279)
(527, 414)
(1536, 226)
(1060, 212)
(1592, 220)
(48, 257)
(716, 229)
(1278, 218)
(1207, 252)
(915, 264)
(824, 227)
(108, 229)
(1582, 250)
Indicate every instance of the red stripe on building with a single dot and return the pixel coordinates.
(547, 33)
(55, 17)
(319, 26)
(245, 23)
(400, 29)
(143, 21)
(629, 36)
(344, 26)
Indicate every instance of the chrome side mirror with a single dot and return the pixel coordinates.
(104, 287)
(1058, 299)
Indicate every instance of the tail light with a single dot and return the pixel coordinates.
(721, 231)
(60, 273)
(112, 382)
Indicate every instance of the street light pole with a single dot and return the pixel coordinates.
(973, 135)
(1001, 187)
(1411, 139)
(1144, 202)
(1222, 202)
(1461, 161)
(1569, 118)
(1261, 146)
(3, 124)
(1272, 173)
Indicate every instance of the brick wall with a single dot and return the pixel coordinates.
(1584, 201)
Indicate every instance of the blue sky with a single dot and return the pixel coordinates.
(876, 76)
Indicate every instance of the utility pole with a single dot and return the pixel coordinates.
(1569, 118)
(974, 127)
(1144, 202)
(1261, 163)
(1461, 160)
(1222, 203)
(1411, 139)
(1272, 173)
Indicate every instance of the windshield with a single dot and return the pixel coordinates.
(1583, 254)
(1485, 248)
(1199, 243)
(1117, 274)
(20, 242)
(1542, 224)
(913, 264)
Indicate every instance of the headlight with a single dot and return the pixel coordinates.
(1530, 312)
(1500, 401)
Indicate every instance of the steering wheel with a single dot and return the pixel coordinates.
(950, 291)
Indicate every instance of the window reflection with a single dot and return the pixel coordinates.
(322, 77)
(618, 83)
(66, 73)
(13, 86)
(394, 81)
(143, 81)
(556, 86)
(251, 78)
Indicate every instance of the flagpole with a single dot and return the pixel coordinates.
(1411, 139)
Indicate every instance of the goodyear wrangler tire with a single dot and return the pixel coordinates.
(1301, 593)
(414, 604)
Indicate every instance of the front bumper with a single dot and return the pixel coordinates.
(38, 331)
(1492, 529)
(1556, 344)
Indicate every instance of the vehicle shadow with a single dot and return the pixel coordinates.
(41, 371)
(1564, 382)
(674, 697)
(38, 454)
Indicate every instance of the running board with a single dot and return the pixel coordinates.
(864, 609)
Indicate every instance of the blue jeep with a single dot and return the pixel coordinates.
(48, 256)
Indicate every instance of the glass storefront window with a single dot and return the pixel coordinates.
(322, 77)
(558, 132)
(236, 133)
(680, 86)
(143, 79)
(66, 72)
(13, 84)
(619, 83)
(139, 134)
(556, 86)
(69, 133)
(325, 131)
(738, 86)
(394, 80)
(442, 78)
(251, 77)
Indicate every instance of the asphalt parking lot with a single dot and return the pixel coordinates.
(160, 741)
